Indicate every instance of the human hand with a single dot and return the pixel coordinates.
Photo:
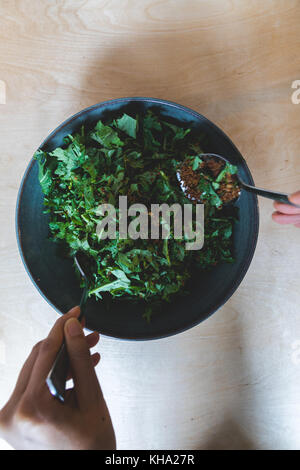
(34, 419)
(286, 214)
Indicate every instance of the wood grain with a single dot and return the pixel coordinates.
(233, 381)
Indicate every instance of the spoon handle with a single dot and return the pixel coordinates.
(83, 300)
(276, 196)
(57, 377)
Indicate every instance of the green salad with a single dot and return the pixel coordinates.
(137, 157)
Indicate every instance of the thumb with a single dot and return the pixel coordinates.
(86, 384)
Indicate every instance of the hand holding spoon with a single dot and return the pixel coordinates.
(57, 377)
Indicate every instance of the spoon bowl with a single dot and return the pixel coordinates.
(274, 195)
(199, 185)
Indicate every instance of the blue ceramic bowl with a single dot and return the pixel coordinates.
(54, 276)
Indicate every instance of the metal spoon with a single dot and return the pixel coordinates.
(57, 377)
(275, 195)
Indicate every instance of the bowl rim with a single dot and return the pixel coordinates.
(217, 129)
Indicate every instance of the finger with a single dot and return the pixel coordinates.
(85, 380)
(286, 219)
(70, 392)
(58, 327)
(285, 208)
(92, 339)
(73, 311)
(95, 359)
(295, 197)
(48, 350)
(297, 225)
(22, 382)
(26, 370)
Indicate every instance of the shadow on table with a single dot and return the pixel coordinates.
(162, 65)
(229, 436)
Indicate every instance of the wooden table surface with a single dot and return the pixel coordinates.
(233, 381)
